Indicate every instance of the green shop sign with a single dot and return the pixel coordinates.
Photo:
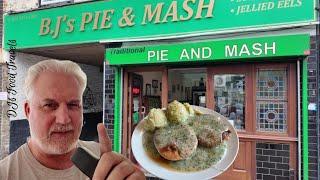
(217, 50)
(121, 20)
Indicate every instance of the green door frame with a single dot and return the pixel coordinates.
(305, 118)
(117, 109)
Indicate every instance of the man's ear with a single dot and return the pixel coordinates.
(27, 109)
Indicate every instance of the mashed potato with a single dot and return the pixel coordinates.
(177, 112)
(156, 119)
(189, 109)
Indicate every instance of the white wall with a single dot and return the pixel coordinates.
(193, 79)
(19, 5)
(147, 79)
(186, 80)
(24, 61)
(27, 5)
(174, 79)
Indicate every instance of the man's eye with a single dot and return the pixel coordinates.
(73, 105)
(50, 105)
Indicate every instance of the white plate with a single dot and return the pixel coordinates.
(162, 172)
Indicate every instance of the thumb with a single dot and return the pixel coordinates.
(104, 140)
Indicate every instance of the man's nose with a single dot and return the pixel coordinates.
(62, 115)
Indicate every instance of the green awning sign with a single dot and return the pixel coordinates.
(215, 50)
(121, 20)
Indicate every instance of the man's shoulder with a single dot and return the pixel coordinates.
(91, 146)
(11, 161)
(13, 156)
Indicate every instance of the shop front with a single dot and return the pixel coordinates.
(251, 81)
(243, 59)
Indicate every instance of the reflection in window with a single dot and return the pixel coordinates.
(229, 94)
(187, 85)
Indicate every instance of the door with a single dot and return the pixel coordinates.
(229, 94)
(142, 91)
(136, 110)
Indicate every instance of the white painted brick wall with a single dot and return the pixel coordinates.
(19, 5)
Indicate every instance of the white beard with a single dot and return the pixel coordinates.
(58, 147)
(54, 146)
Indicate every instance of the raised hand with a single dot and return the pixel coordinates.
(114, 166)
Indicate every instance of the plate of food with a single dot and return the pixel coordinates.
(185, 142)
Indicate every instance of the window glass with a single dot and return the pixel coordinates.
(271, 100)
(187, 85)
(229, 97)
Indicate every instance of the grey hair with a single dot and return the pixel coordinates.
(52, 65)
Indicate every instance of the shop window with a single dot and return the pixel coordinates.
(229, 96)
(187, 85)
(271, 105)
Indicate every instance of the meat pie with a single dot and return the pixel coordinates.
(208, 137)
(175, 142)
(209, 130)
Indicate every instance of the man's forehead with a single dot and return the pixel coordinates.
(55, 100)
(56, 86)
